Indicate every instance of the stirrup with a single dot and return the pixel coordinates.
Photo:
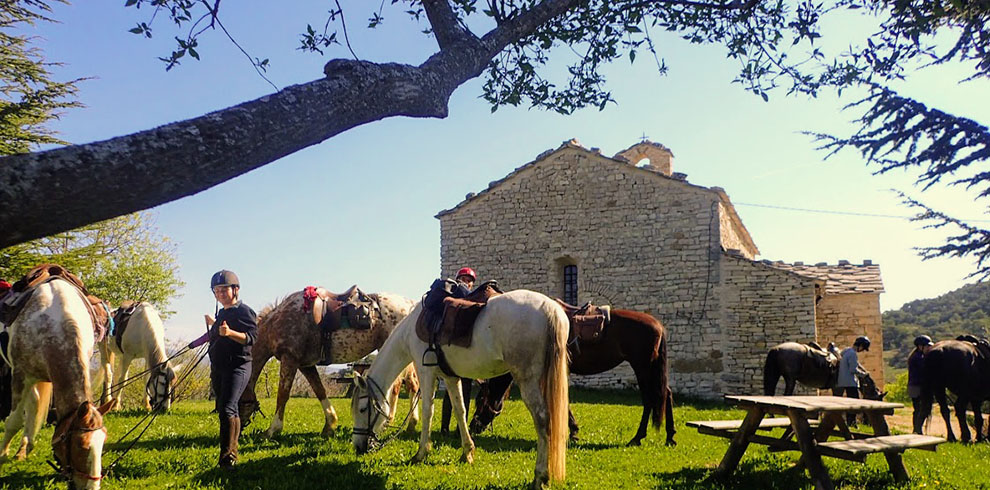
(430, 357)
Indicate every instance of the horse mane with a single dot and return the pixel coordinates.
(270, 307)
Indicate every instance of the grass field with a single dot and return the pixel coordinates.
(179, 451)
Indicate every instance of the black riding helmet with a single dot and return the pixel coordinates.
(862, 340)
(224, 278)
(923, 341)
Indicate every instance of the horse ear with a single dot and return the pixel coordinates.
(883, 395)
(105, 407)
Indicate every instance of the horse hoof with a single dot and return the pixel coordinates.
(671, 443)
(635, 442)
(467, 457)
(418, 458)
(540, 482)
(327, 432)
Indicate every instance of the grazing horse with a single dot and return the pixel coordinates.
(630, 336)
(801, 363)
(521, 332)
(143, 338)
(287, 332)
(51, 342)
(964, 369)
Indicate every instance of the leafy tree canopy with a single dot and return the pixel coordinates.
(779, 45)
(119, 259)
(963, 311)
(29, 97)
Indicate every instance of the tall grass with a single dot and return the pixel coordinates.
(180, 451)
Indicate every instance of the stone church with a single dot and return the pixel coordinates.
(628, 231)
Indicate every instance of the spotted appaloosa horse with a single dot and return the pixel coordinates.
(51, 342)
(521, 332)
(143, 338)
(288, 333)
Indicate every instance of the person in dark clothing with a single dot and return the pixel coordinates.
(231, 336)
(465, 282)
(916, 361)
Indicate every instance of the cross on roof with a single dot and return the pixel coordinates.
(644, 138)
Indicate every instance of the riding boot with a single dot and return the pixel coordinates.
(224, 441)
(228, 451)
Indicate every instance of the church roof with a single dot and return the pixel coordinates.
(841, 278)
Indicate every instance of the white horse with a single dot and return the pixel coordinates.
(143, 338)
(51, 342)
(521, 332)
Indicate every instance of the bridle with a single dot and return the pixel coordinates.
(64, 439)
(376, 398)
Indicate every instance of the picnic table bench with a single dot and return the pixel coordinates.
(806, 433)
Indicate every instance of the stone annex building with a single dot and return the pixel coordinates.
(582, 226)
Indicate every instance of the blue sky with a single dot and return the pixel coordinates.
(359, 207)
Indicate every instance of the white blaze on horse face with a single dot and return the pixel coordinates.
(94, 461)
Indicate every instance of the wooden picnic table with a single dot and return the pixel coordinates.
(811, 421)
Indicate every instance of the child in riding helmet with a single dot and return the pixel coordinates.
(231, 336)
(916, 361)
(465, 278)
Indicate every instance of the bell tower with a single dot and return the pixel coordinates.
(661, 158)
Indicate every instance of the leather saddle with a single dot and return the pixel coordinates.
(820, 360)
(121, 317)
(352, 309)
(455, 322)
(588, 322)
(982, 345)
(22, 290)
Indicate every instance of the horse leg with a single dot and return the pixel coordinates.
(456, 394)
(121, 375)
(960, 407)
(428, 386)
(649, 396)
(106, 360)
(532, 395)
(572, 426)
(286, 375)
(14, 422)
(978, 419)
(669, 415)
(329, 414)
(411, 382)
(35, 413)
(789, 385)
(943, 406)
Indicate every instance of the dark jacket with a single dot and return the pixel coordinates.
(916, 362)
(223, 350)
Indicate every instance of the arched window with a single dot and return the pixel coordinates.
(571, 284)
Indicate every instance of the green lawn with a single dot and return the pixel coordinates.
(180, 451)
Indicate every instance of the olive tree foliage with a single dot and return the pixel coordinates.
(120, 259)
(515, 45)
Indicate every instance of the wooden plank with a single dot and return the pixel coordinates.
(813, 403)
(739, 443)
(765, 424)
(811, 459)
(880, 444)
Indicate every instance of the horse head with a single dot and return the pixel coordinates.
(78, 445)
(159, 387)
(489, 402)
(868, 388)
(370, 409)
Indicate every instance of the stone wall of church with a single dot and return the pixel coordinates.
(843, 317)
(761, 307)
(640, 241)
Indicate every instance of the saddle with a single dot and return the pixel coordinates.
(982, 345)
(22, 290)
(331, 312)
(819, 360)
(587, 322)
(121, 317)
(455, 322)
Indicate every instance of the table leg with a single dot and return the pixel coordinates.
(894, 461)
(810, 457)
(829, 422)
(739, 443)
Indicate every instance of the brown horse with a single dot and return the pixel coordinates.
(964, 369)
(630, 336)
(288, 332)
(809, 365)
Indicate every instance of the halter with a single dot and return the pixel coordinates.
(374, 390)
(65, 468)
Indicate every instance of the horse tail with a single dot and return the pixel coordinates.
(771, 373)
(554, 385)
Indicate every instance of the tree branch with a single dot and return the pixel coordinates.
(446, 26)
(57, 190)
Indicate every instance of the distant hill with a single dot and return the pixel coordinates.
(965, 310)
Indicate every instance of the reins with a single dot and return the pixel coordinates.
(130, 379)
